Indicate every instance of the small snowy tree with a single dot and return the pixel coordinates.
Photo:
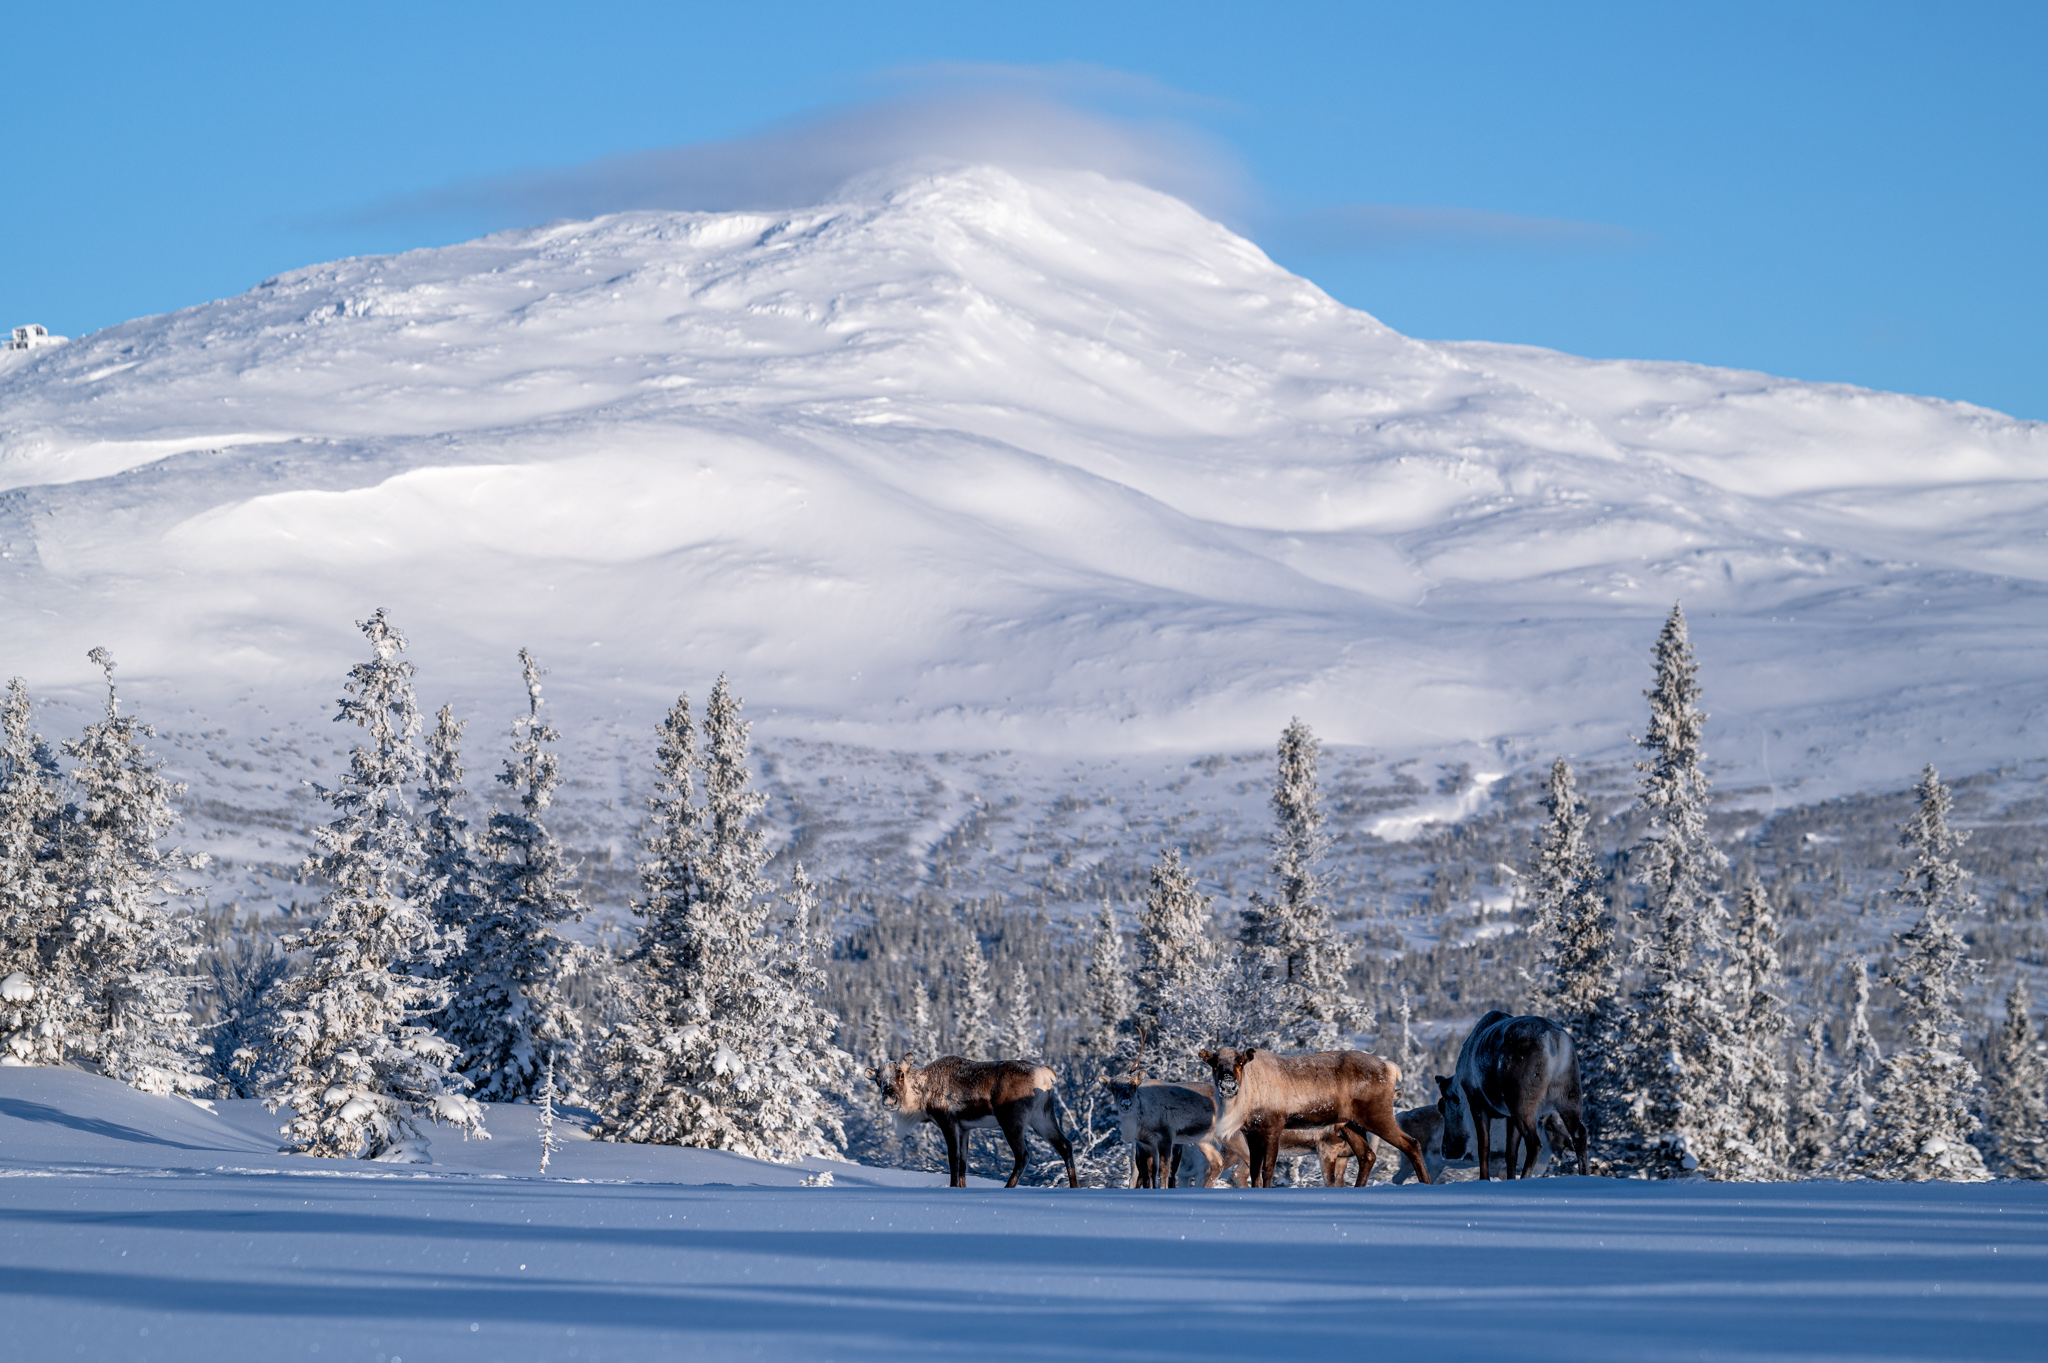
(1763, 1152)
(546, 1098)
(1407, 1050)
(1921, 1124)
(1110, 999)
(1177, 997)
(509, 1012)
(974, 1028)
(1862, 1060)
(2015, 1104)
(40, 994)
(348, 1055)
(803, 1059)
(134, 951)
(1316, 1012)
(1582, 976)
(1682, 1055)
(1811, 1123)
(1020, 1024)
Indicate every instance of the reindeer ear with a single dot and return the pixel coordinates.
(1107, 1080)
(1443, 1084)
(909, 1060)
(1208, 1057)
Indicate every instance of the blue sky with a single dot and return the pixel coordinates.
(1849, 192)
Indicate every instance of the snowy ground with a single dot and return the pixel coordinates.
(142, 1228)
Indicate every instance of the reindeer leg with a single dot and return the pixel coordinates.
(1013, 1132)
(1379, 1121)
(1514, 1131)
(1482, 1134)
(1173, 1166)
(956, 1154)
(1361, 1146)
(1534, 1137)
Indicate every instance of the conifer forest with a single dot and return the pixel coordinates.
(451, 949)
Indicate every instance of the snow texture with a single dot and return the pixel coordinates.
(145, 1227)
(986, 459)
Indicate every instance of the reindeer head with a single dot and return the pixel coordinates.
(1450, 1105)
(1227, 1067)
(1122, 1092)
(902, 1084)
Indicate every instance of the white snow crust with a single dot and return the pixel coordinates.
(141, 1227)
(985, 460)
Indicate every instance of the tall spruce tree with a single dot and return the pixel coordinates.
(1582, 976)
(509, 1012)
(645, 1094)
(1921, 1124)
(799, 1051)
(1176, 976)
(1682, 1055)
(1764, 1151)
(450, 881)
(348, 1055)
(1020, 1021)
(134, 950)
(2015, 1104)
(1862, 1061)
(1309, 954)
(974, 1025)
(924, 1027)
(707, 1059)
(1811, 1124)
(40, 994)
(1111, 1000)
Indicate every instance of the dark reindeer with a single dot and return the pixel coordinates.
(1264, 1095)
(1521, 1069)
(959, 1095)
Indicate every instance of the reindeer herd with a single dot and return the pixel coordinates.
(1516, 1076)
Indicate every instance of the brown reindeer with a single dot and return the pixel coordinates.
(1159, 1116)
(1264, 1095)
(959, 1095)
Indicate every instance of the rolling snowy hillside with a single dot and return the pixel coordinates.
(1051, 465)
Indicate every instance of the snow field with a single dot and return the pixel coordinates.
(130, 1229)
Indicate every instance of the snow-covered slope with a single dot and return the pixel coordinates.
(973, 460)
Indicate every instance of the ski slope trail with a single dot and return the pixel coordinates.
(150, 1257)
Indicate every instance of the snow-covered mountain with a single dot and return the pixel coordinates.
(978, 460)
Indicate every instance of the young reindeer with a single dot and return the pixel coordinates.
(1162, 1118)
(959, 1095)
(1264, 1095)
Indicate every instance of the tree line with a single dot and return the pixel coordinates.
(437, 971)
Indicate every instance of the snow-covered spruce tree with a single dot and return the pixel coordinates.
(1316, 1012)
(643, 1091)
(1020, 1038)
(2015, 1104)
(1681, 1054)
(1177, 972)
(1764, 1151)
(134, 951)
(708, 1061)
(799, 1055)
(1111, 1001)
(1862, 1061)
(40, 993)
(1810, 1121)
(1582, 976)
(1921, 1124)
(974, 1030)
(924, 1026)
(508, 1013)
(450, 882)
(348, 1055)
